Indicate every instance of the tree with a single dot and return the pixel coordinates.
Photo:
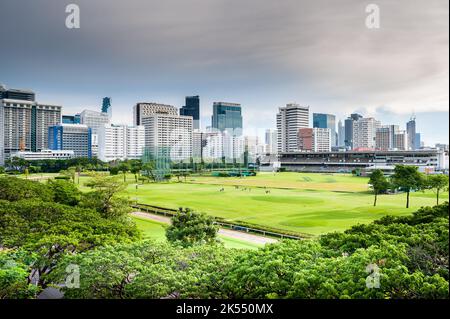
(379, 183)
(69, 172)
(407, 178)
(124, 167)
(105, 196)
(135, 168)
(437, 183)
(14, 189)
(50, 230)
(189, 228)
(64, 192)
(16, 164)
(148, 169)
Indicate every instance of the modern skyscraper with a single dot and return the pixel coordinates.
(192, 108)
(401, 141)
(272, 141)
(169, 134)
(314, 139)
(289, 120)
(321, 120)
(364, 133)
(106, 106)
(417, 141)
(16, 94)
(141, 110)
(411, 132)
(24, 123)
(71, 119)
(385, 137)
(94, 120)
(348, 141)
(120, 142)
(227, 116)
(75, 137)
(341, 134)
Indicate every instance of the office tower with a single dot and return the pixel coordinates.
(141, 110)
(289, 120)
(348, 141)
(71, 119)
(106, 106)
(364, 133)
(170, 134)
(411, 132)
(341, 134)
(272, 141)
(385, 137)
(16, 94)
(120, 142)
(321, 120)
(75, 137)
(254, 147)
(314, 139)
(417, 141)
(192, 108)
(227, 116)
(94, 120)
(24, 124)
(401, 141)
(207, 145)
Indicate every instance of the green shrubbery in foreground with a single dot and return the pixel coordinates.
(394, 257)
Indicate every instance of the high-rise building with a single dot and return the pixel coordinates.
(71, 119)
(401, 141)
(16, 94)
(314, 139)
(364, 133)
(411, 132)
(24, 123)
(106, 106)
(120, 142)
(348, 141)
(289, 120)
(321, 120)
(417, 141)
(272, 141)
(192, 108)
(227, 116)
(169, 134)
(385, 137)
(94, 120)
(141, 110)
(75, 137)
(341, 134)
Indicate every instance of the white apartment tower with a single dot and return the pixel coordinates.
(172, 132)
(94, 120)
(289, 120)
(271, 141)
(364, 133)
(120, 142)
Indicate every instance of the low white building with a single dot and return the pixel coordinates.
(120, 142)
(44, 155)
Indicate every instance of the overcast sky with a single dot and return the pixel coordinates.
(260, 53)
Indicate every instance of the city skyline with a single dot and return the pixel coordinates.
(319, 54)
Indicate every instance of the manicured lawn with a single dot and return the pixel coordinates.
(155, 230)
(305, 203)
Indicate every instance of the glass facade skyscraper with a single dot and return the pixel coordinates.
(192, 108)
(227, 116)
(321, 120)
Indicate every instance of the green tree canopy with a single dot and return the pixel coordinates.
(407, 178)
(378, 183)
(190, 228)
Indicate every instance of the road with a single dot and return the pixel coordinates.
(222, 231)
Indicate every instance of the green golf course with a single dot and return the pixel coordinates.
(308, 203)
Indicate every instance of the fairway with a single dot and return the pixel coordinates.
(300, 202)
